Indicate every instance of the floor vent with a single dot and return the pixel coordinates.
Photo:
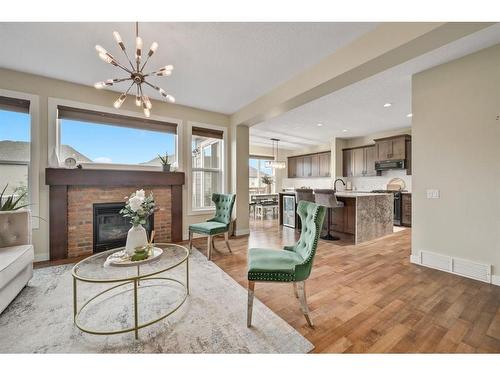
(462, 267)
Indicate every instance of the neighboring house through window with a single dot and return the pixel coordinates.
(206, 166)
(258, 173)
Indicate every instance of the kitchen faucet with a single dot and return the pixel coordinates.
(335, 184)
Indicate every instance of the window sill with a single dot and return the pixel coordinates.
(201, 211)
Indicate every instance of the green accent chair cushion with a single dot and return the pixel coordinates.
(224, 204)
(209, 228)
(293, 263)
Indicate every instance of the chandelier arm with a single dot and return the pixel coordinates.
(131, 85)
(153, 86)
(128, 59)
(117, 80)
(145, 62)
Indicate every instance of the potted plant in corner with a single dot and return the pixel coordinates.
(137, 208)
(165, 162)
(268, 181)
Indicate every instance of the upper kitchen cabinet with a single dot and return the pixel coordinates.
(292, 167)
(392, 148)
(312, 165)
(359, 161)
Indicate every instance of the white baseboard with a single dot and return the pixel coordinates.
(457, 266)
(241, 232)
(41, 257)
(495, 279)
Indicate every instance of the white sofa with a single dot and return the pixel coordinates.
(16, 254)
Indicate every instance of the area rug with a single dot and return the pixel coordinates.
(212, 320)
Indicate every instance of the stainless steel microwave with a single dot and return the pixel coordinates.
(389, 164)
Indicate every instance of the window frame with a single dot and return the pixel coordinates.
(189, 165)
(54, 135)
(34, 164)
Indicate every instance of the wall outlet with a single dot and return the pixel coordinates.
(432, 194)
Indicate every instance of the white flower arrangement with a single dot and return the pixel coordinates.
(138, 207)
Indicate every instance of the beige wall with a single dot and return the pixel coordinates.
(456, 149)
(45, 87)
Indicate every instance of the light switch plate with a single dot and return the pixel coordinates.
(432, 194)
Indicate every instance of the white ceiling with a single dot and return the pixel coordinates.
(359, 107)
(218, 66)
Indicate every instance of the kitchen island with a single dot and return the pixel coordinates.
(365, 216)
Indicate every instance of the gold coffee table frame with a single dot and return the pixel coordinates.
(135, 280)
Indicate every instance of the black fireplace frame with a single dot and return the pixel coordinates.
(107, 245)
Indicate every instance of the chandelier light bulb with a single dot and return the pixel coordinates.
(117, 37)
(138, 101)
(118, 103)
(153, 49)
(99, 49)
(147, 102)
(138, 47)
(147, 112)
(170, 99)
(99, 85)
(163, 73)
(106, 57)
(167, 67)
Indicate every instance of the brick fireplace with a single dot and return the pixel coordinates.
(73, 193)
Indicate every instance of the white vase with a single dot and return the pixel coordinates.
(136, 237)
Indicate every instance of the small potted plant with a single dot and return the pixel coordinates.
(165, 162)
(268, 181)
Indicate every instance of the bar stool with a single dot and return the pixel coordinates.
(327, 198)
(303, 195)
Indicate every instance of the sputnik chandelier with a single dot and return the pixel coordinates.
(135, 72)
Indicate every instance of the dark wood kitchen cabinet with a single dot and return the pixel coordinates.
(311, 165)
(406, 209)
(359, 161)
(392, 148)
(292, 167)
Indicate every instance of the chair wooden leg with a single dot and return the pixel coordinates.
(251, 288)
(226, 238)
(190, 241)
(301, 286)
(213, 244)
(209, 248)
(295, 290)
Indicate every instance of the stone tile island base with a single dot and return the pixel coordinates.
(367, 216)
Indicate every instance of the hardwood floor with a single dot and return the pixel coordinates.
(370, 298)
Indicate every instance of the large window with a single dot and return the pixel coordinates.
(206, 166)
(94, 137)
(259, 174)
(15, 144)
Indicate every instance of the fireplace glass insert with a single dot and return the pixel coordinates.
(110, 228)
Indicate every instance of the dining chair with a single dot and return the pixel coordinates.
(218, 224)
(293, 264)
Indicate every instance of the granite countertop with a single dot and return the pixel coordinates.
(354, 194)
(346, 194)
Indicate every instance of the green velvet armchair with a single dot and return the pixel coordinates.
(218, 224)
(293, 264)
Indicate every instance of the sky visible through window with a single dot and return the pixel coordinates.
(14, 126)
(116, 144)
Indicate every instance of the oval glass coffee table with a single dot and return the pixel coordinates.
(91, 270)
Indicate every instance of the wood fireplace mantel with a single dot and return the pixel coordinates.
(59, 179)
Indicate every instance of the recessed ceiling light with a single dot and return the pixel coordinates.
(344, 130)
(409, 115)
(387, 105)
(320, 124)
